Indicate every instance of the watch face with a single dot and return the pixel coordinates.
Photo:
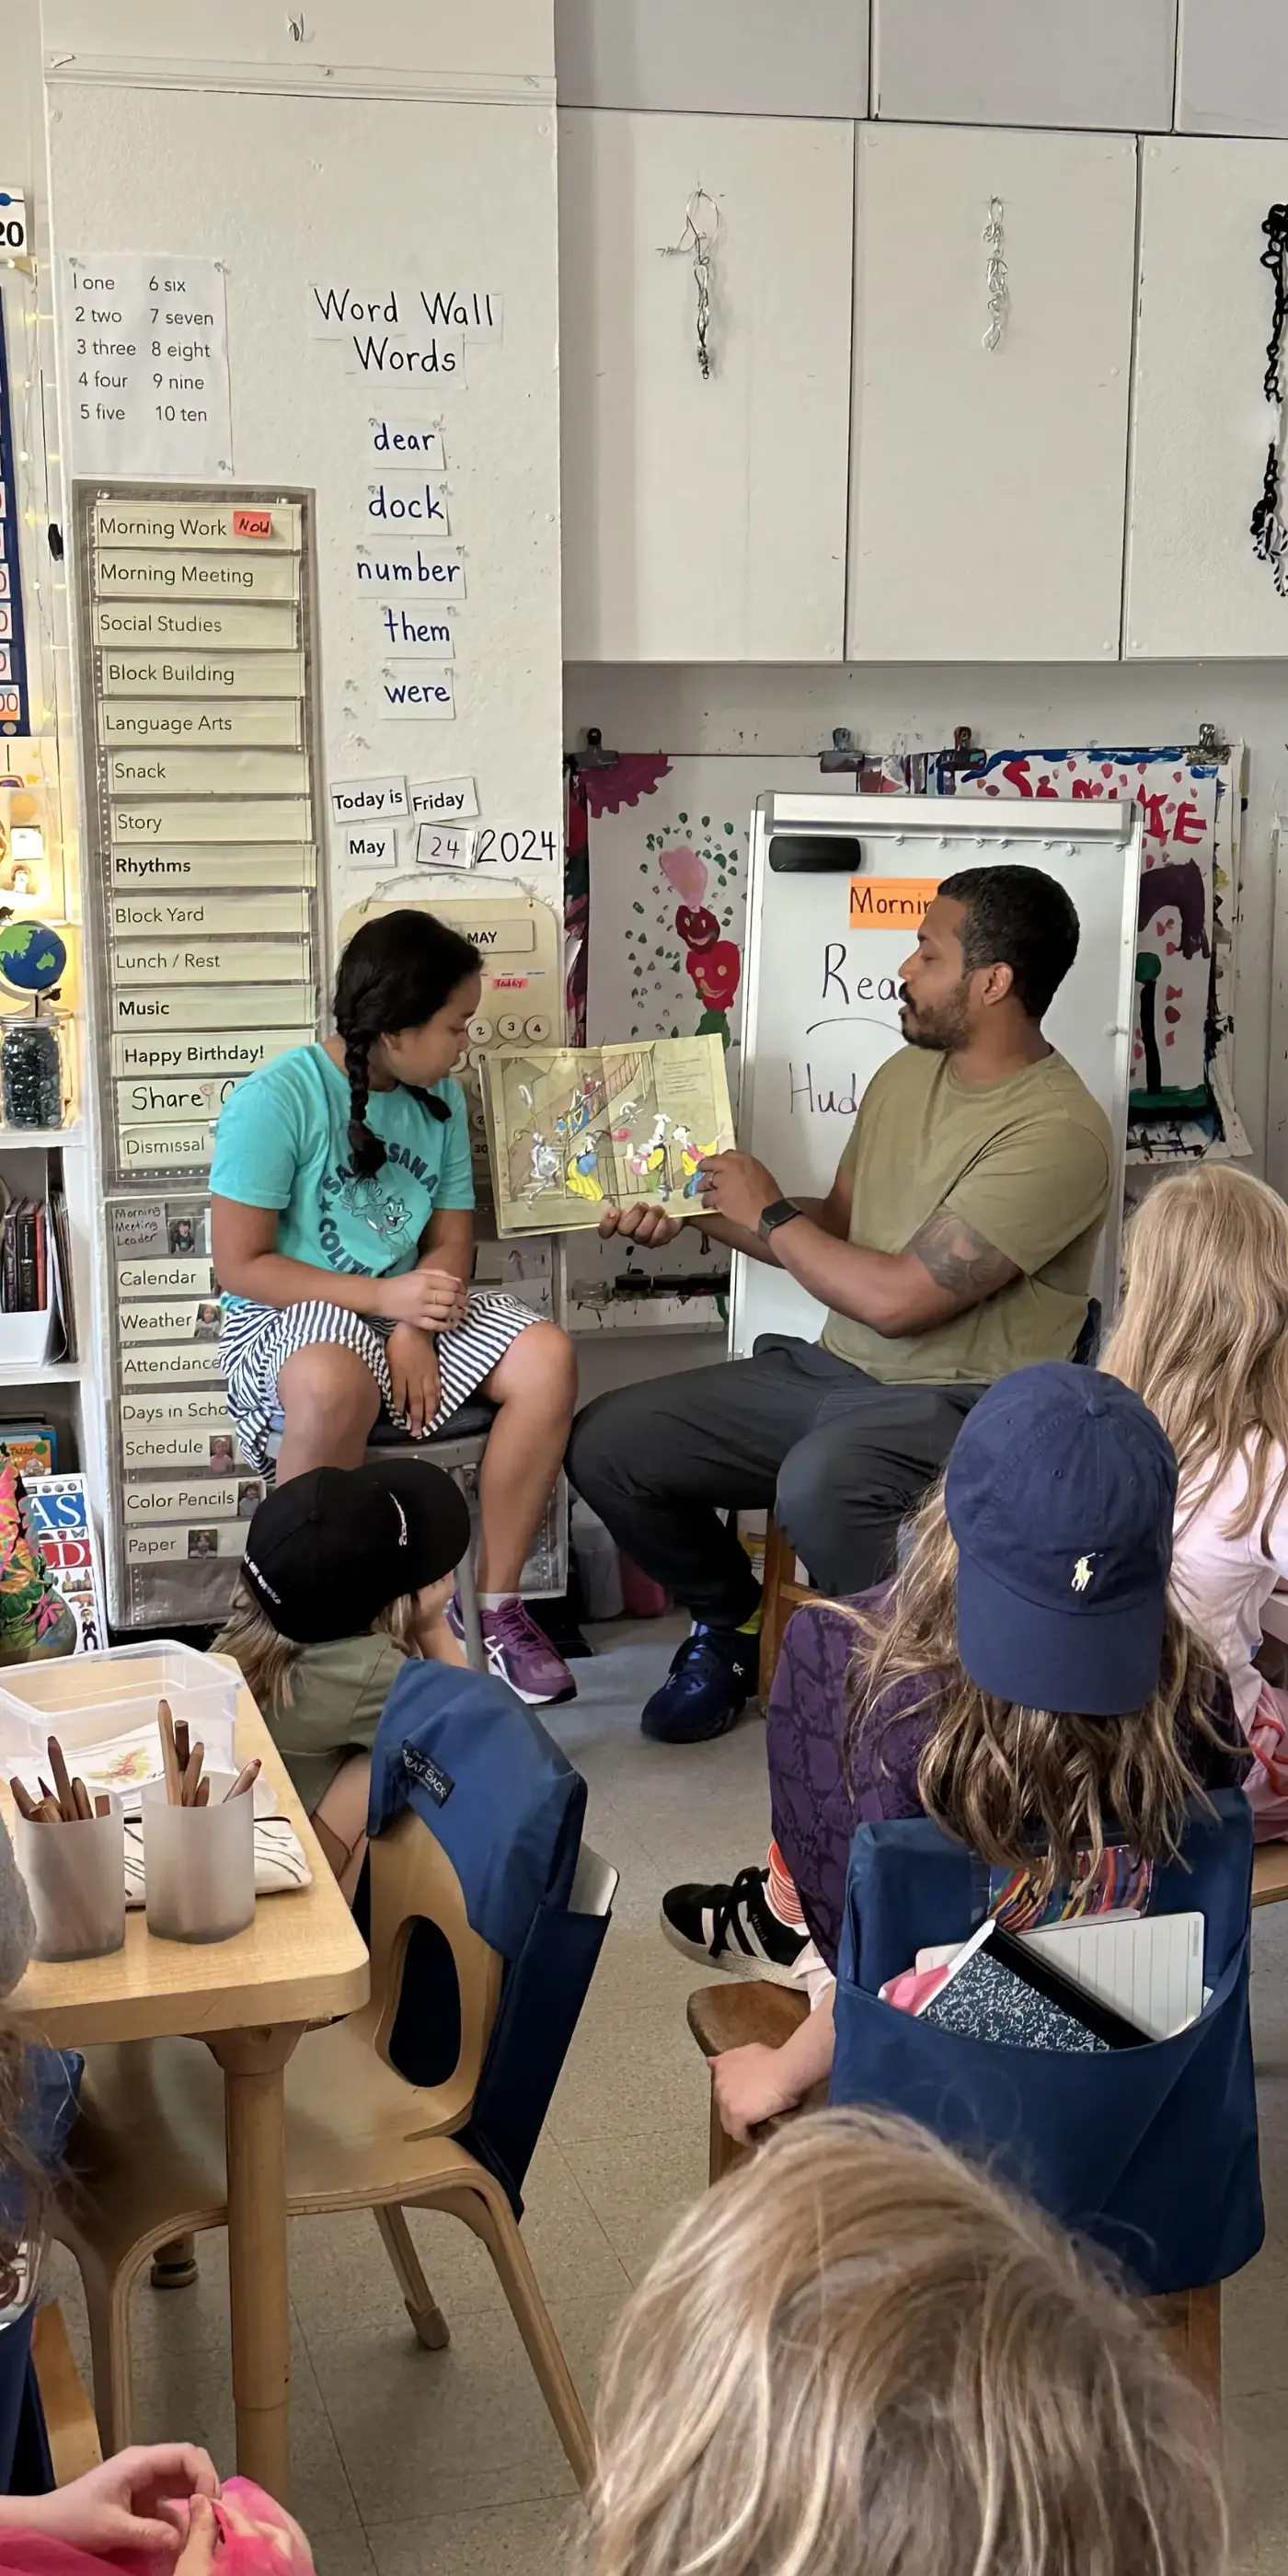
(777, 1213)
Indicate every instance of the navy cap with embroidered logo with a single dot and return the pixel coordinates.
(326, 1553)
(1060, 1493)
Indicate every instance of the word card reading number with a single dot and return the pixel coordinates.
(520, 845)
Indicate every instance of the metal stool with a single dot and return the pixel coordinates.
(457, 1446)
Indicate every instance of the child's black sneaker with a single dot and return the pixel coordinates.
(732, 1928)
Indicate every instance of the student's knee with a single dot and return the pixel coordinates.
(539, 1364)
(327, 1381)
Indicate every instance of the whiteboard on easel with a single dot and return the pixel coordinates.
(822, 1006)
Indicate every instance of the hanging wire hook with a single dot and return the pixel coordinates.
(699, 238)
(995, 282)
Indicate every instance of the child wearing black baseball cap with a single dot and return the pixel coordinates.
(1025, 1680)
(347, 1572)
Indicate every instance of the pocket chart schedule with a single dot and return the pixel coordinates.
(201, 786)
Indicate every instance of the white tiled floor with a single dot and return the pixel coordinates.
(445, 2464)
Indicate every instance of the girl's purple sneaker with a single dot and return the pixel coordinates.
(520, 1653)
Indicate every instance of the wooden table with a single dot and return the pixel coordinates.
(301, 1960)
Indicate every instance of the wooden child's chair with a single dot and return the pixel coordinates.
(148, 2151)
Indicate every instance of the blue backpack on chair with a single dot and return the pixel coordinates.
(507, 1808)
(1152, 2151)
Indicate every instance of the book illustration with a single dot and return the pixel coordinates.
(574, 1129)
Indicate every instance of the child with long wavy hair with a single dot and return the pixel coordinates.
(860, 2356)
(1025, 1680)
(1202, 1336)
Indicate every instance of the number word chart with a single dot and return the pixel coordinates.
(145, 343)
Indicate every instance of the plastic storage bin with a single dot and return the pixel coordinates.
(106, 1705)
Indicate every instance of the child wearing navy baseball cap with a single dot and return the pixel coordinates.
(1025, 1680)
(347, 1572)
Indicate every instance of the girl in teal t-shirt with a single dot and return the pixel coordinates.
(342, 1237)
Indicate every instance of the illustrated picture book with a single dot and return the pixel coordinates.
(572, 1130)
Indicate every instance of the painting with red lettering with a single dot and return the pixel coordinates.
(1189, 831)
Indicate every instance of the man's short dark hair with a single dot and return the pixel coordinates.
(1017, 917)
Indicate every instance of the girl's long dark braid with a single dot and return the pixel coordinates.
(395, 973)
(365, 1148)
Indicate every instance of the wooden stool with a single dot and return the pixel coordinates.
(780, 1595)
(736, 2015)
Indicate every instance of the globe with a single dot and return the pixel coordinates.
(32, 956)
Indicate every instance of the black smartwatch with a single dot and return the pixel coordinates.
(778, 1212)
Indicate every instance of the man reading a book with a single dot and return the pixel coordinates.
(956, 1243)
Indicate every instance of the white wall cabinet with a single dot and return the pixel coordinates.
(1232, 67)
(1201, 424)
(724, 57)
(704, 519)
(1107, 63)
(987, 486)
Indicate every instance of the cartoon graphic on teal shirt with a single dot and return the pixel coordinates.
(375, 1206)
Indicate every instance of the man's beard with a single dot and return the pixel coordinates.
(945, 1029)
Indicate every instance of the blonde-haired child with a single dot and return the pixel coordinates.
(1202, 1336)
(860, 2356)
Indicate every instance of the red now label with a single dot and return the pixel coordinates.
(252, 523)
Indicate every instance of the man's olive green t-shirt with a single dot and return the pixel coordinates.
(1026, 1163)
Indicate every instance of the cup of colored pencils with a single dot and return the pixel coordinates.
(71, 1852)
(198, 1850)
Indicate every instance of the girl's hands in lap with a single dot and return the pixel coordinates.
(414, 1373)
(431, 1300)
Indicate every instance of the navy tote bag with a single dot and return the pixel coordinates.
(1150, 2152)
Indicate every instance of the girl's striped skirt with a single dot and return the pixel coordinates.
(256, 1340)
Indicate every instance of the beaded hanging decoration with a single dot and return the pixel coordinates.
(1267, 530)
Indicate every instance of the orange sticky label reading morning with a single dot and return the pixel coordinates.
(252, 523)
(890, 903)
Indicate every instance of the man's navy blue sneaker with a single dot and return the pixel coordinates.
(708, 1686)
